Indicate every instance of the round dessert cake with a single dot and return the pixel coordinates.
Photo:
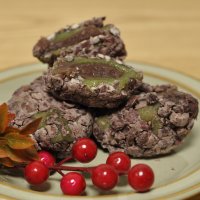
(93, 82)
(152, 123)
(90, 38)
(61, 124)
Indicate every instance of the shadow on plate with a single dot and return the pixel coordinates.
(102, 192)
(123, 181)
(41, 188)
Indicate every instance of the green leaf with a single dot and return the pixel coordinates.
(18, 141)
(3, 117)
(31, 127)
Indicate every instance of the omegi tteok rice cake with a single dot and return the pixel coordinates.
(152, 123)
(62, 123)
(90, 38)
(95, 82)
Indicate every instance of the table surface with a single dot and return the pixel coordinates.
(158, 32)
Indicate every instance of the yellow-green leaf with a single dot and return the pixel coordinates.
(31, 127)
(3, 117)
(3, 152)
(14, 155)
(11, 157)
(18, 141)
(7, 162)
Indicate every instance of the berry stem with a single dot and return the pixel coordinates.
(61, 163)
(60, 172)
(64, 160)
(71, 168)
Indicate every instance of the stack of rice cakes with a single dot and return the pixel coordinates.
(88, 89)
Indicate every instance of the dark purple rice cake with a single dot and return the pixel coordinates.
(61, 124)
(94, 82)
(90, 38)
(152, 123)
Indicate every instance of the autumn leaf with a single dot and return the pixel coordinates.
(31, 127)
(7, 162)
(3, 142)
(3, 117)
(16, 146)
(3, 152)
(21, 156)
(14, 155)
(28, 154)
(32, 153)
(11, 129)
(17, 141)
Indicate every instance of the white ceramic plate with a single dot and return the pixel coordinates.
(177, 176)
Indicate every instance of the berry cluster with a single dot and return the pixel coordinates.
(104, 176)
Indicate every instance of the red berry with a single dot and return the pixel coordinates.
(46, 158)
(36, 173)
(84, 150)
(120, 161)
(73, 183)
(141, 177)
(104, 177)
